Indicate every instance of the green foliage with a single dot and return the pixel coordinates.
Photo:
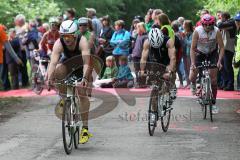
(127, 9)
(30, 8)
(232, 6)
(117, 9)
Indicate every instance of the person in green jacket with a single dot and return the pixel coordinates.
(110, 72)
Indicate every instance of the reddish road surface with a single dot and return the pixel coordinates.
(181, 93)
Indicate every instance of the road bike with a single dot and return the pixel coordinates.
(204, 91)
(39, 70)
(71, 114)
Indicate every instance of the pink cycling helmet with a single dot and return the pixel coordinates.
(207, 19)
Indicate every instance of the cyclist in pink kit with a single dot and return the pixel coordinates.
(205, 42)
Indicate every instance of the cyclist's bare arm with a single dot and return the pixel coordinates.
(221, 46)
(145, 53)
(92, 40)
(172, 55)
(193, 47)
(84, 45)
(57, 50)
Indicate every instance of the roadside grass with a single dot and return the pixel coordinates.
(5, 102)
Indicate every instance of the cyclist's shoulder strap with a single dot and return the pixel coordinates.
(78, 41)
(63, 44)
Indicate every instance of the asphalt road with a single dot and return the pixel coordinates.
(34, 132)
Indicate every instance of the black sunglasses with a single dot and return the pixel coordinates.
(82, 25)
(208, 24)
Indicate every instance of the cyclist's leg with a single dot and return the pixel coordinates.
(84, 105)
(84, 111)
(193, 77)
(194, 72)
(213, 75)
(59, 74)
(154, 102)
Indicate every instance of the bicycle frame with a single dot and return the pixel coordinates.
(73, 107)
(41, 67)
(205, 83)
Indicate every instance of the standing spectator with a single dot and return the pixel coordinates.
(203, 12)
(155, 13)
(105, 49)
(179, 49)
(165, 26)
(229, 31)
(4, 76)
(120, 40)
(5, 43)
(133, 33)
(12, 65)
(85, 29)
(40, 27)
(70, 14)
(181, 21)
(237, 49)
(31, 40)
(133, 30)
(187, 41)
(148, 19)
(97, 25)
(21, 28)
(138, 48)
(219, 16)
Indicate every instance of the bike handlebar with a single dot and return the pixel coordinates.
(207, 64)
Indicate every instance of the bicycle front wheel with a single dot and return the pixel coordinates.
(166, 108)
(152, 116)
(203, 104)
(66, 128)
(210, 98)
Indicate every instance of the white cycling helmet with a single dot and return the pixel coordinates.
(68, 27)
(155, 37)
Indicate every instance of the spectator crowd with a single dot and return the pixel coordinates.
(114, 44)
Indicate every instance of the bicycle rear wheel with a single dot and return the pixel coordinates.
(76, 137)
(66, 128)
(166, 107)
(76, 120)
(152, 122)
(203, 104)
(204, 111)
(211, 114)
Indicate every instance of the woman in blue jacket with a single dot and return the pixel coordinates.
(120, 40)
